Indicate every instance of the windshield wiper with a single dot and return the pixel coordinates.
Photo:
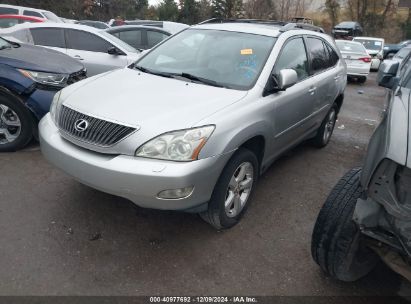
(200, 79)
(145, 70)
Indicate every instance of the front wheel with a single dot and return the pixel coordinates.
(233, 191)
(16, 123)
(337, 245)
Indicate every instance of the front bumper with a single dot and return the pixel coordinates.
(39, 101)
(134, 178)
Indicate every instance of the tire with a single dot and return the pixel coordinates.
(337, 245)
(326, 129)
(217, 214)
(16, 123)
(362, 79)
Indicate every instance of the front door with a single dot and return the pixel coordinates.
(92, 51)
(293, 107)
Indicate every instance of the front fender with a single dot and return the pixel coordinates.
(13, 80)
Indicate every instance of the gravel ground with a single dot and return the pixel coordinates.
(59, 237)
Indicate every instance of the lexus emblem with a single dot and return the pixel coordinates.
(81, 125)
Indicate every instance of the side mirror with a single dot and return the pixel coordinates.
(114, 51)
(285, 79)
(390, 55)
(387, 74)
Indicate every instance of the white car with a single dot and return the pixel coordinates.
(357, 59)
(28, 11)
(97, 50)
(375, 48)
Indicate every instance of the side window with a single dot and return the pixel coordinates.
(32, 13)
(319, 56)
(333, 56)
(293, 56)
(154, 38)
(133, 38)
(48, 37)
(79, 40)
(8, 11)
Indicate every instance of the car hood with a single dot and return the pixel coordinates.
(147, 101)
(40, 59)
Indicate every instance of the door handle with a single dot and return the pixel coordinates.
(337, 77)
(312, 90)
(78, 57)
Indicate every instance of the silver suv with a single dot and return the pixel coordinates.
(193, 123)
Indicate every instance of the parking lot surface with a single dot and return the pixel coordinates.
(59, 237)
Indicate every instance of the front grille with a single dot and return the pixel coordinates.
(77, 77)
(98, 132)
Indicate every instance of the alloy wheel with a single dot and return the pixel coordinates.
(239, 189)
(10, 125)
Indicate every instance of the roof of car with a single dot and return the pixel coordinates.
(24, 7)
(369, 38)
(133, 27)
(58, 25)
(22, 17)
(260, 27)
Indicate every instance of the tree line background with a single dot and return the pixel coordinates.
(381, 18)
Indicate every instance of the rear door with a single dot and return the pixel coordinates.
(92, 51)
(325, 75)
(52, 38)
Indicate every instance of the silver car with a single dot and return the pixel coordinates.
(97, 50)
(198, 118)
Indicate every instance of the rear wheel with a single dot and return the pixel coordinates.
(362, 79)
(233, 191)
(16, 123)
(326, 129)
(337, 245)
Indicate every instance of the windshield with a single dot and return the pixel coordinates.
(346, 46)
(346, 24)
(119, 42)
(374, 45)
(51, 16)
(229, 59)
(4, 44)
(402, 53)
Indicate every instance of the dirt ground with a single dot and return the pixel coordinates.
(58, 237)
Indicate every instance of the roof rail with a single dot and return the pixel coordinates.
(285, 26)
(301, 26)
(258, 21)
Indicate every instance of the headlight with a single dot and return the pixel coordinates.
(51, 79)
(55, 107)
(184, 145)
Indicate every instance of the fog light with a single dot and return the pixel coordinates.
(176, 193)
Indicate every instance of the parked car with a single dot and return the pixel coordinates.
(391, 49)
(347, 30)
(97, 24)
(29, 78)
(367, 215)
(139, 37)
(97, 50)
(6, 9)
(305, 20)
(357, 59)
(402, 54)
(12, 20)
(165, 132)
(169, 26)
(375, 48)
